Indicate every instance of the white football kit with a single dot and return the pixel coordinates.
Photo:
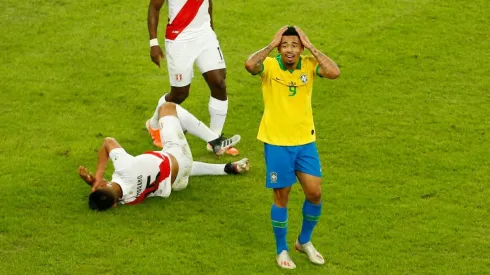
(189, 38)
(149, 174)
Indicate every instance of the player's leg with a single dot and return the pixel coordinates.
(308, 171)
(218, 101)
(280, 177)
(230, 168)
(180, 62)
(211, 64)
(175, 143)
(197, 128)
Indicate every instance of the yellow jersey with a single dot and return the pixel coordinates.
(288, 116)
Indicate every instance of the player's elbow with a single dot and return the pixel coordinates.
(109, 139)
(249, 66)
(333, 73)
(252, 68)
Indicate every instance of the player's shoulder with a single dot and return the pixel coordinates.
(268, 60)
(308, 60)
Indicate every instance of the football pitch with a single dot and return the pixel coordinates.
(403, 136)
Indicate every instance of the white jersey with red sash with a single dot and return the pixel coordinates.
(142, 176)
(187, 19)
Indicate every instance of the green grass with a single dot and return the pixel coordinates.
(403, 136)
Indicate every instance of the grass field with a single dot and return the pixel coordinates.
(403, 135)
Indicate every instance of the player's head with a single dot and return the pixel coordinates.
(102, 199)
(290, 47)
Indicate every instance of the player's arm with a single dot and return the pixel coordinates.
(254, 62)
(103, 156)
(210, 11)
(156, 52)
(153, 16)
(328, 68)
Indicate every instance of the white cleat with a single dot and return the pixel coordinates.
(284, 261)
(237, 167)
(308, 248)
(241, 166)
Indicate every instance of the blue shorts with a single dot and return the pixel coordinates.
(282, 162)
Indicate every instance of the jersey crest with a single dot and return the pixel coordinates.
(304, 78)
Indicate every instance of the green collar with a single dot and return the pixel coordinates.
(283, 67)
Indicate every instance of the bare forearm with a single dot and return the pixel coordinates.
(254, 62)
(154, 16)
(103, 157)
(328, 68)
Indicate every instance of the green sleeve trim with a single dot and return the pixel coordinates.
(261, 69)
(317, 69)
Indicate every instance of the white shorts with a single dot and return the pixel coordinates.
(181, 55)
(175, 143)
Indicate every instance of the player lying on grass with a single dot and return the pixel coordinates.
(155, 173)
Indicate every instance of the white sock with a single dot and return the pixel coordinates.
(207, 169)
(197, 128)
(154, 118)
(217, 112)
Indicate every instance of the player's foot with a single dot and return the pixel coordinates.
(237, 167)
(220, 145)
(284, 261)
(155, 134)
(86, 175)
(232, 151)
(308, 248)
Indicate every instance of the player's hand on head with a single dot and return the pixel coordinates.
(304, 39)
(156, 55)
(278, 36)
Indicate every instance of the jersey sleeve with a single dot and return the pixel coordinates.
(266, 68)
(312, 66)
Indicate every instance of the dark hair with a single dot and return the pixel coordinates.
(101, 199)
(291, 31)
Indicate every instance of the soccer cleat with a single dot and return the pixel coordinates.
(155, 134)
(220, 145)
(308, 248)
(232, 151)
(284, 261)
(237, 167)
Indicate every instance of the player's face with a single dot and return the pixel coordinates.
(290, 49)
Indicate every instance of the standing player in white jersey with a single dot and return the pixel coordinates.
(189, 39)
(155, 173)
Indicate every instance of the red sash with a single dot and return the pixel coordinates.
(183, 18)
(165, 170)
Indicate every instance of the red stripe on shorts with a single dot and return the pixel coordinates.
(162, 175)
(183, 18)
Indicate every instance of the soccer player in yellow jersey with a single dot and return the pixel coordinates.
(288, 132)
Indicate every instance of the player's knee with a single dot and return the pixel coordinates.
(178, 95)
(314, 196)
(281, 197)
(167, 109)
(218, 84)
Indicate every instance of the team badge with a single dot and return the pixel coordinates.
(304, 78)
(273, 177)
(178, 77)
